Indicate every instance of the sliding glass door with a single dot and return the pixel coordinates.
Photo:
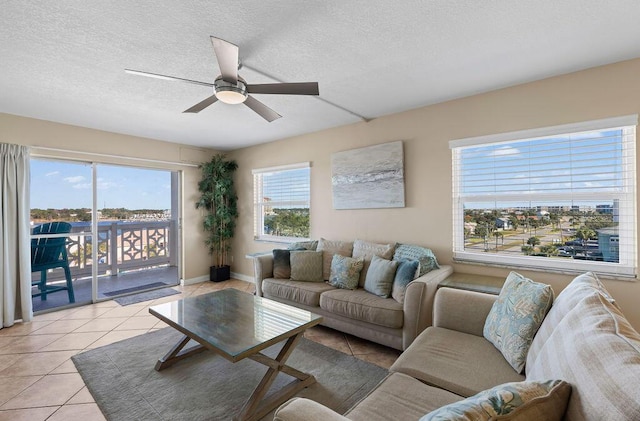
(137, 229)
(61, 193)
(132, 213)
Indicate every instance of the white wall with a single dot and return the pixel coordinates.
(596, 93)
(87, 142)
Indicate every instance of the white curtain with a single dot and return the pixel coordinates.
(15, 248)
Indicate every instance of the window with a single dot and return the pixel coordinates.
(559, 198)
(281, 200)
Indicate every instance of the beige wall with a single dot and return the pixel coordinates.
(88, 142)
(601, 92)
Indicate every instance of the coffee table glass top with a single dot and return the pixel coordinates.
(234, 322)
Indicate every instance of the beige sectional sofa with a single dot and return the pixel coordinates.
(358, 312)
(584, 340)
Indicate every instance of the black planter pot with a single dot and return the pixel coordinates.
(219, 273)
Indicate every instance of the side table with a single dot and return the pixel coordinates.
(472, 282)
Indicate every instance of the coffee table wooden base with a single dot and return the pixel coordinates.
(256, 406)
(177, 353)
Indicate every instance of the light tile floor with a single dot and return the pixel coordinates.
(38, 380)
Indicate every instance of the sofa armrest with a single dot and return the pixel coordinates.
(262, 269)
(301, 409)
(461, 310)
(418, 303)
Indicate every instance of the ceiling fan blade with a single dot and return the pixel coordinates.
(303, 88)
(264, 111)
(202, 105)
(165, 77)
(227, 55)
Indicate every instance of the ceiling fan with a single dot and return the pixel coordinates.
(230, 88)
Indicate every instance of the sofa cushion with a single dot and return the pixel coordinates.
(423, 255)
(459, 362)
(516, 316)
(306, 266)
(363, 306)
(380, 276)
(307, 293)
(581, 287)
(522, 401)
(596, 350)
(345, 272)
(400, 397)
(281, 264)
(405, 273)
(367, 250)
(328, 249)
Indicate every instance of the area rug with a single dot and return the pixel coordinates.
(122, 379)
(146, 296)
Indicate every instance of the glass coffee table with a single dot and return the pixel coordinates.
(238, 325)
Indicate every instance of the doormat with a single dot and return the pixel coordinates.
(134, 289)
(146, 296)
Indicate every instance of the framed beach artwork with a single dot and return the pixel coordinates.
(371, 177)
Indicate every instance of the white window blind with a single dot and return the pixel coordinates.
(281, 201)
(560, 198)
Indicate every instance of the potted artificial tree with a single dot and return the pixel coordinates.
(218, 199)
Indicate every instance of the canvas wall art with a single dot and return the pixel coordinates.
(371, 177)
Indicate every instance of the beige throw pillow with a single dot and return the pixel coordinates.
(306, 266)
(328, 249)
(367, 250)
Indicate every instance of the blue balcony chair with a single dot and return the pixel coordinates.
(49, 253)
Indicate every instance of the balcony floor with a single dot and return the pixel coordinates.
(107, 284)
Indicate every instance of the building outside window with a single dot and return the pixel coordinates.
(558, 198)
(281, 197)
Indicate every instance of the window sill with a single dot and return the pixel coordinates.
(572, 272)
(279, 240)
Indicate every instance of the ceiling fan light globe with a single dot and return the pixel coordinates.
(230, 93)
(231, 96)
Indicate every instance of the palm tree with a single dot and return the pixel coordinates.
(534, 224)
(498, 234)
(533, 241)
(482, 231)
(514, 222)
(555, 219)
(585, 234)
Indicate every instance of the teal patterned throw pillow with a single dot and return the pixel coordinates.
(516, 316)
(405, 273)
(523, 401)
(423, 255)
(345, 271)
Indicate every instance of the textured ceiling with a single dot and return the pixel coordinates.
(63, 60)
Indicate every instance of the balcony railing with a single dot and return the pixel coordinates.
(121, 246)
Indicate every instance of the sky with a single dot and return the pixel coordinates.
(288, 186)
(63, 184)
(560, 168)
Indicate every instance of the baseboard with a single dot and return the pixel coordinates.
(204, 278)
(196, 280)
(242, 277)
